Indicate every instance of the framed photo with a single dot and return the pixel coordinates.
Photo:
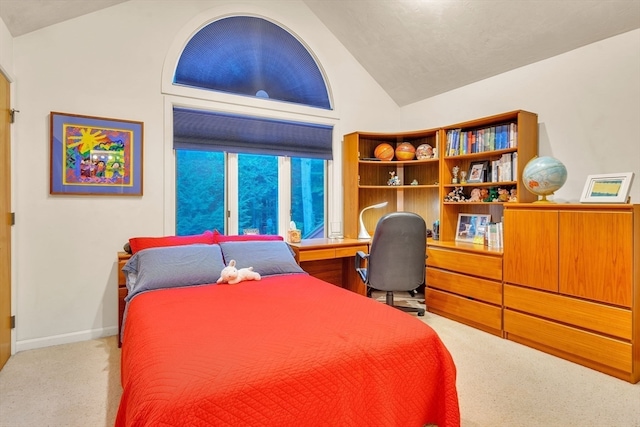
(472, 228)
(607, 188)
(95, 156)
(477, 171)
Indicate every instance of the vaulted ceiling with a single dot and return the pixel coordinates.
(416, 49)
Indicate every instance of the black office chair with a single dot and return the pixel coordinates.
(396, 259)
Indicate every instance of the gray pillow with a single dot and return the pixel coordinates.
(172, 266)
(266, 257)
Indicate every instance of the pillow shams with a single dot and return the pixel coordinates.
(173, 266)
(266, 257)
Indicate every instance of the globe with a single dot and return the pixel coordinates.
(543, 176)
(405, 151)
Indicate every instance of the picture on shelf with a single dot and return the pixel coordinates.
(607, 188)
(477, 171)
(472, 228)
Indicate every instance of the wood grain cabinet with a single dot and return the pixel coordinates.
(465, 285)
(572, 283)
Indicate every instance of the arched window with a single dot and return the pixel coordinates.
(251, 56)
(228, 172)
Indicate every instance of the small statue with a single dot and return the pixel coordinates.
(463, 177)
(484, 195)
(414, 182)
(455, 171)
(394, 180)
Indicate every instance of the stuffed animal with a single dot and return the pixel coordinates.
(232, 275)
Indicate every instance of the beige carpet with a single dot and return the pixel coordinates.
(500, 383)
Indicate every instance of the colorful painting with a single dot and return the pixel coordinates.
(95, 156)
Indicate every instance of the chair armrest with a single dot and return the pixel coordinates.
(362, 271)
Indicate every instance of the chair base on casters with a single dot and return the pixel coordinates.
(389, 301)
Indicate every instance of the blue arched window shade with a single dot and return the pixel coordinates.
(251, 56)
(212, 131)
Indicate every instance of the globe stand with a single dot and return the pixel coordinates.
(544, 199)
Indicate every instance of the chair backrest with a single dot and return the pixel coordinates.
(398, 252)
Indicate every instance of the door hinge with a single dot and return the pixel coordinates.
(13, 218)
(13, 322)
(12, 115)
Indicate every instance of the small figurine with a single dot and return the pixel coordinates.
(455, 171)
(463, 177)
(484, 195)
(394, 180)
(414, 182)
(513, 195)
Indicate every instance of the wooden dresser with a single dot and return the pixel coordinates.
(572, 283)
(123, 257)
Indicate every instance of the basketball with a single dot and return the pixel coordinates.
(405, 151)
(383, 151)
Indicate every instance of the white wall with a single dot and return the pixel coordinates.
(588, 106)
(109, 64)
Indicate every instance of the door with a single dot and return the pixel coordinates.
(5, 224)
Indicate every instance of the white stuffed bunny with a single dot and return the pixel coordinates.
(231, 275)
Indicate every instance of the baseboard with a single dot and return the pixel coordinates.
(90, 334)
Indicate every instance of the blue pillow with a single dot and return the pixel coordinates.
(173, 266)
(266, 257)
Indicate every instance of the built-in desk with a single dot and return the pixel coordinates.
(332, 260)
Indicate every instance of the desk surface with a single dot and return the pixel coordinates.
(328, 243)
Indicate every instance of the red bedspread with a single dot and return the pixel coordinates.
(284, 351)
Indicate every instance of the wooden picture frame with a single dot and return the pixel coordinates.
(95, 156)
(607, 188)
(472, 228)
(477, 171)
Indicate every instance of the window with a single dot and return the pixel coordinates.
(236, 172)
(204, 193)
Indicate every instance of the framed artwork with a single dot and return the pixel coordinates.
(477, 171)
(607, 188)
(95, 156)
(472, 228)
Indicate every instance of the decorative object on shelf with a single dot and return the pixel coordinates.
(607, 188)
(475, 195)
(455, 171)
(543, 176)
(363, 234)
(484, 195)
(435, 233)
(478, 171)
(414, 182)
(456, 195)
(424, 151)
(463, 177)
(405, 151)
(394, 180)
(472, 228)
(383, 151)
(513, 195)
(95, 156)
(503, 195)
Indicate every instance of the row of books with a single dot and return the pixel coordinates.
(504, 169)
(494, 235)
(492, 138)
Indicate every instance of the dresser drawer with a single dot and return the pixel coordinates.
(467, 286)
(582, 344)
(316, 254)
(581, 313)
(350, 251)
(489, 267)
(476, 312)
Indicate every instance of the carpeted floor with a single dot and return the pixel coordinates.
(500, 383)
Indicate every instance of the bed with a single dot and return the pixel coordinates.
(287, 350)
